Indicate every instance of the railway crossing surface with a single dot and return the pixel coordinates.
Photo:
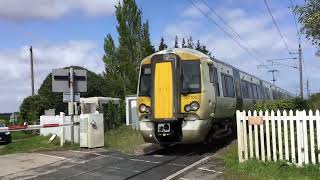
(175, 162)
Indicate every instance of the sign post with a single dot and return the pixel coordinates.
(69, 81)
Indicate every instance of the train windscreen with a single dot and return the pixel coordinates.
(190, 77)
(145, 81)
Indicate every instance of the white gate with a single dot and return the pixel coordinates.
(280, 136)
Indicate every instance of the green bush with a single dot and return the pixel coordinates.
(113, 115)
(290, 104)
(314, 102)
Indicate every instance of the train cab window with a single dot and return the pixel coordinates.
(190, 77)
(145, 81)
(227, 85)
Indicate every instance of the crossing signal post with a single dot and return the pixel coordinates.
(69, 81)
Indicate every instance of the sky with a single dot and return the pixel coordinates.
(72, 32)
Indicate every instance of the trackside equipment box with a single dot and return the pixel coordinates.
(91, 130)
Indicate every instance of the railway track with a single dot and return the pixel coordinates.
(159, 164)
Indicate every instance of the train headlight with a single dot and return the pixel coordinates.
(194, 106)
(148, 110)
(142, 108)
(187, 108)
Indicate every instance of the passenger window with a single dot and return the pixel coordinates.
(249, 86)
(259, 92)
(244, 89)
(216, 80)
(227, 85)
(211, 73)
(255, 94)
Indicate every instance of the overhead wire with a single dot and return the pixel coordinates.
(231, 28)
(227, 33)
(277, 27)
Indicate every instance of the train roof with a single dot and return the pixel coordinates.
(198, 54)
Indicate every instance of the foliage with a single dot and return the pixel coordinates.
(97, 86)
(314, 102)
(290, 104)
(35, 143)
(122, 62)
(32, 108)
(112, 115)
(309, 17)
(123, 139)
(21, 135)
(176, 43)
(188, 44)
(162, 45)
(253, 169)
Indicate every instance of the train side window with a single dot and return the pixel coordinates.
(227, 85)
(216, 81)
(211, 73)
(244, 89)
(259, 92)
(249, 86)
(254, 88)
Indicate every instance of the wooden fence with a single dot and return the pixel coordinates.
(280, 136)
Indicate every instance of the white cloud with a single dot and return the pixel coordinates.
(255, 28)
(15, 67)
(50, 9)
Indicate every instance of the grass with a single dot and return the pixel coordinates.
(253, 169)
(124, 139)
(35, 143)
(21, 135)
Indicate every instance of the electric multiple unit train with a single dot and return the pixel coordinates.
(185, 96)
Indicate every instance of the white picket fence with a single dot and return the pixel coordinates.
(280, 136)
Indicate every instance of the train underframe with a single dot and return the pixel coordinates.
(186, 131)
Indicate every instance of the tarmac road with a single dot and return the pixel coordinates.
(103, 164)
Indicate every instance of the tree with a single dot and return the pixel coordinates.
(32, 108)
(162, 45)
(198, 47)
(183, 44)
(176, 43)
(122, 62)
(309, 17)
(97, 86)
(190, 43)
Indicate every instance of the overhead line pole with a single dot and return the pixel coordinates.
(300, 70)
(32, 74)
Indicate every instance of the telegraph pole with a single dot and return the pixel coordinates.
(71, 103)
(32, 75)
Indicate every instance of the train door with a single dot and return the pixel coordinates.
(236, 80)
(217, 85)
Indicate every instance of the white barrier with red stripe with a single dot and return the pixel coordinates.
(34, 127)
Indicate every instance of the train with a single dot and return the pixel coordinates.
(185, 96)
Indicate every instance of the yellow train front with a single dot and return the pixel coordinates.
(173, 100)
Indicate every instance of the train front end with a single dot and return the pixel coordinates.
(171, 100)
